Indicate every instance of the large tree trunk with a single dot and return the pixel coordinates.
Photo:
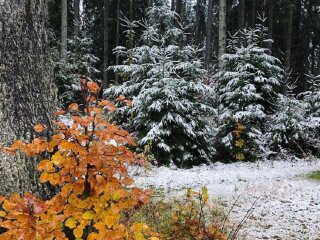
(28, 95)
(64, 28)
(208, 35)
(76, 10)
(105, 44)
(222, 30)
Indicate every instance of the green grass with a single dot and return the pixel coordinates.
(314, 176)
(159, 215)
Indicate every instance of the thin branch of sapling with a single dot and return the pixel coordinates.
(244, 220)
(229, 212)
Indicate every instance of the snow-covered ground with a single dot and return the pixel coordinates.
(287, 207)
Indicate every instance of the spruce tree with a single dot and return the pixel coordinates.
(168, 106)
(79, 62)
(247, 94)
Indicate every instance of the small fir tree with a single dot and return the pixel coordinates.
(79, 62)
(312, 100)
(287, 126)
(168, 105)
(247, 94)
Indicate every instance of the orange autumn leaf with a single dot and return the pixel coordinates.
(120, 98)
(93, 88)
(128, 181)
(40, 128)
(105, 103)
(73, 107)
(58, 113)
(91, 172)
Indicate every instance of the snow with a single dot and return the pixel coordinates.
(287, 204)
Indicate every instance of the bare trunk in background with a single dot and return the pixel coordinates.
(222, 30)
(118, 36)
(289, 36)
(197, 33)
(241, 14)
(208, 49)
(105, 44)
(64, 28)
(270, 22)
(27, 90)
(77, 21)
(179, 7)
(172, 5)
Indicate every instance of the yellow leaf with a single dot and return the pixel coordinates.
(71, 222)
(189, 193)
(77, 232)
(116, 196)
(93, 236)
(111, 221)
(88, 215)
(205, 194)
(2, 214)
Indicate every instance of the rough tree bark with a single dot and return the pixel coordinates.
(208, 35)
(222, 30)
(27, 91)
(105, 44)
(64, 28)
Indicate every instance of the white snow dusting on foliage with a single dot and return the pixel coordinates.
(287, 204)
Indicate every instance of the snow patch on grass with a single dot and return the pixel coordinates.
(288, 204)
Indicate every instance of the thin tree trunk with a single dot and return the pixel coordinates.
(76, 10)
(197, 33)
(131, 20)
(28, 95)
(253, 13)
(208, 35)
(241, 14)
(222, 30)
(64, 28)
(172, 5)
(270, 22)
(105, 44)
(118, 36)
(289, 36)
(179, 7)
(318, 67)
(150, 3)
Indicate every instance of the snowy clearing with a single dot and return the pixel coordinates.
(288, 205)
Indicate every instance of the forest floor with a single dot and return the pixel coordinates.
(286, 203)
